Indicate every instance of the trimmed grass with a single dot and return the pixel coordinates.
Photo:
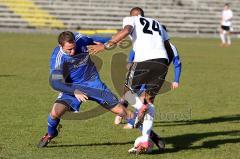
(199, 120)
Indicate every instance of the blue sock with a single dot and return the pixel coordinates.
(52, 125)
(132, 121)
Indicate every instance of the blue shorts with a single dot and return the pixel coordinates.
(95, 90)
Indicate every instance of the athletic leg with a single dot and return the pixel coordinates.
(123, 112)
(64, 103)
(228, 38)
(222, 37)
(57, 111)
(118, 119)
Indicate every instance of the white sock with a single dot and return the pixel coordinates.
(222, 36)
(148, 122)
(228, 39)
(133, 100)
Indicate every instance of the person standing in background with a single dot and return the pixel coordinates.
(226, 23)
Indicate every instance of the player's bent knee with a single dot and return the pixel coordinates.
(54, 114)
(58, 110)
(119, 110)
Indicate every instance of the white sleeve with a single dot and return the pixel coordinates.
(128, 21)
(175, 52)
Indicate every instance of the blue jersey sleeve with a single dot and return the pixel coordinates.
(177, 64)
(100, 39)
(81, 39)
(56, 79)
(86, 40)
(164, 34)
(131, 56)
(56, 59)
(57, 82)
(177, 68)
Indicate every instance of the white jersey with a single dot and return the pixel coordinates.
(148, 38)
(227, 17)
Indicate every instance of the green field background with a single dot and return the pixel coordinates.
(200, 120)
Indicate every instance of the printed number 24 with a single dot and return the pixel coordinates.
(146, 24)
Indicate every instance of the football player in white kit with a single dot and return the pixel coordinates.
(175, 84)
(153, 54)
(226, 24)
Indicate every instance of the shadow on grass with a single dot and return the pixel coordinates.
(179, 142)
(185, 141)
(228, 118)
(93, 144)
(4, 76)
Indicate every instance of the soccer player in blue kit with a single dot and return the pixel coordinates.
(75, 76)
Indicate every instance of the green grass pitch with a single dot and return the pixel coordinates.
(199, 120)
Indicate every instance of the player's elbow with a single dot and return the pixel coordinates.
(178, 64)
(54, 84)
(127, 30)
(55, 80)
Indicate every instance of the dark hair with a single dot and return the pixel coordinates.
(227, 4)
(140, 10)
(66, 36)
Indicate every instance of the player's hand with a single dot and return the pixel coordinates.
(80, 96)
(175, 85)
(94, 49)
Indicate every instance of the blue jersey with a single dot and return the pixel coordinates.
(100, 39)
(67, 72)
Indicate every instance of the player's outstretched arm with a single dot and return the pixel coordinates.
(121, 35)
(56, 81)
(94, 49)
